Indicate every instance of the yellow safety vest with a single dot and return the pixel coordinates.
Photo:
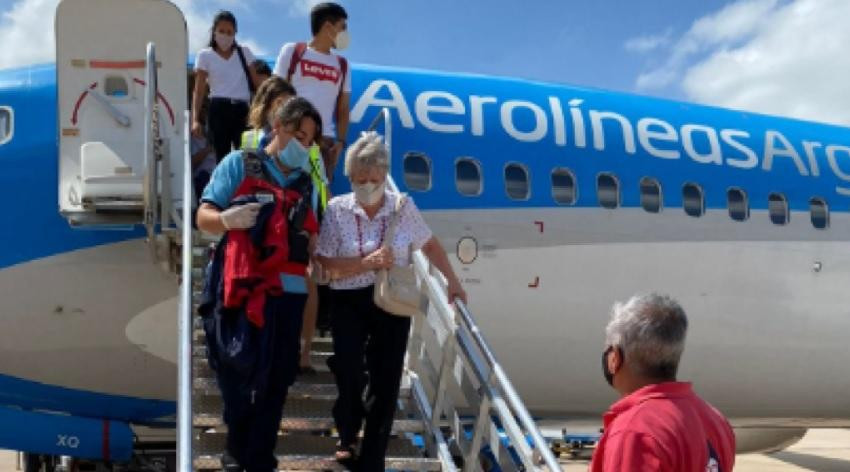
(251, 140)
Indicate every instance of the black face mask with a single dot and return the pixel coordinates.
(609, 376)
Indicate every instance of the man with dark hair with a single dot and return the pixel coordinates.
(324, 79)
(321, 76)
(659, 424)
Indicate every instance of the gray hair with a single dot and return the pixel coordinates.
(650, 329)
(368, 152)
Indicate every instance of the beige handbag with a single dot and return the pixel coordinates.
(396, 289)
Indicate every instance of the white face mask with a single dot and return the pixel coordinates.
(369, 193)
(342, 41)
(224, 41)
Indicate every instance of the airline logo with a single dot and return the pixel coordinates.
(319, 71)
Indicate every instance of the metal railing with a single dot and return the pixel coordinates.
(184, 330)
(468, 393)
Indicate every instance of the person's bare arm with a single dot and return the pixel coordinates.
(197, 99)
(199, 156)
(341, 267)
(209, 219)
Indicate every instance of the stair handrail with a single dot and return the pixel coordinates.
(503, 397)
(184, 322)
(149, 199)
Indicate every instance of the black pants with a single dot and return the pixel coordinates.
(253, 419)
(361, 329)
(227, 120)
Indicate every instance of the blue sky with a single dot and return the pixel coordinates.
(783, 57)
(568, 41)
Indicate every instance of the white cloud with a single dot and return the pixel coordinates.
(786, 58)
(26, 17)
(647, 43)
(729, 25)
(796, 65)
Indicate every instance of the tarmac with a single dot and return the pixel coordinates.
(821, 450)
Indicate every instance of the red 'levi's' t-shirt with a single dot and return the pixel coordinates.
(664, 427)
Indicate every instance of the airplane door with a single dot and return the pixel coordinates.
(101, 80)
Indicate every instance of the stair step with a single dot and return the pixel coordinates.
(325, 462)
(203, 370)
(213, 443)
(319, 344)
(298, 415)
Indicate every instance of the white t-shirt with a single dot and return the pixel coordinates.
(226, 76)
(346, 231)
(317, 78)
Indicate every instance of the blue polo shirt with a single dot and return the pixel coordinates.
(227, 177)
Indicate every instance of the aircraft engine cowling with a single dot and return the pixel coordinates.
(762, 440)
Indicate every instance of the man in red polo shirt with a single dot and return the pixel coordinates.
(659, 424)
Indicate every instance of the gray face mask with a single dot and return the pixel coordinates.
(369, 193)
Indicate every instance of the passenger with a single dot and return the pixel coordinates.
(203, 159)
(321, 76)
(659, 424)
(351, 249)
(269, 97)
(263, 70)
(253, 403)
(223, 65)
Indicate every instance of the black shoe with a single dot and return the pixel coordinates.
(230, 464)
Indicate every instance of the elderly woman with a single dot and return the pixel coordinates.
(351, 248)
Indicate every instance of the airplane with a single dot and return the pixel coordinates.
(553, 200)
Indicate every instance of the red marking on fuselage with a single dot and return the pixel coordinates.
(117, 64)
(161, 98)
(535, 284)
(80, 102)
(539, 225)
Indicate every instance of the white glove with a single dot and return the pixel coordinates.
(240, 217)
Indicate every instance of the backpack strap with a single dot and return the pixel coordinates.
(251, 87)
(297, 54)
(343, 66)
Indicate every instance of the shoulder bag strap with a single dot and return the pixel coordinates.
(251, 87)
(391, 230)
(297, 54)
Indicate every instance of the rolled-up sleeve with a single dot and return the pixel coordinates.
(329, 232)
(224, 181)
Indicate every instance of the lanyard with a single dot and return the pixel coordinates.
(360, 234)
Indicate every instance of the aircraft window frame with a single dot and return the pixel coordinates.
(689, 209)
(126, 83)
(527, 180)
(616, 182)
(786, 213)
(825, 206)
(10, 114)
(651, 181)
(429, 175)
(478, 168)
(745, 201)
(563, 171)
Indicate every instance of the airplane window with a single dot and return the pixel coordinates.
(6, 125)
(739, 209)
(777, 206)
(819, 213)
(650, 194)
(563, 186)
(115, 86)
(693, 200)
(417, 171)
(468, 177)
(516, 182)
(608, 191)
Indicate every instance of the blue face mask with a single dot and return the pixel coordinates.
(295, 156)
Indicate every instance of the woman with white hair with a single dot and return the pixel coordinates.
(351, 249)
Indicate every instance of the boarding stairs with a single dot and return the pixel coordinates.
(457, 409)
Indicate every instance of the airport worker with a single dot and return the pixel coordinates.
(260, 200)
(269, 96)
(354, 243)
(322, 76)
(659, 423)
(224, 65)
